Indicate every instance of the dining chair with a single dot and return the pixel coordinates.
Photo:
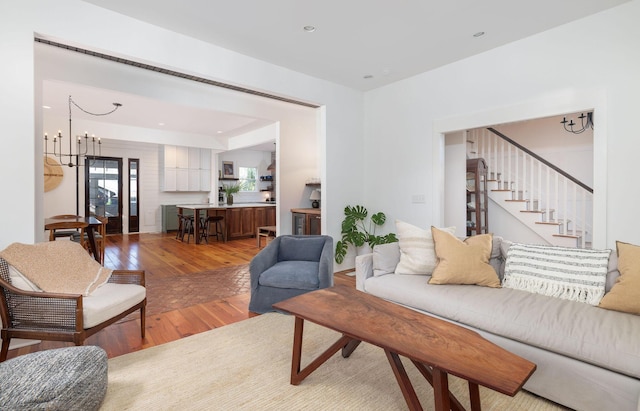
(99, 237)
(53, 234)
(78, 228)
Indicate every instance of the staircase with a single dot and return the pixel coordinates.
(555, 205)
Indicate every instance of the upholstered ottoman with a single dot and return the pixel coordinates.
(73, 378)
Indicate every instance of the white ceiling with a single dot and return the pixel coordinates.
(388, 40)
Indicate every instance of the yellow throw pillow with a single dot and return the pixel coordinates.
(463, 262)
(625, 294)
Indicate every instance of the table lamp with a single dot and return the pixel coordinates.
(315, 198)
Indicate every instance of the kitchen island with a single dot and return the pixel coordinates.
(241, 220)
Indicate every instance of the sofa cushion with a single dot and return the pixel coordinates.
(301, 275)
(463, 262)
(417, 253)
(109, 300)
(304, 248)
(385, 258)
(601, 337)
(575, 274)
(625, 294)
(72, 378)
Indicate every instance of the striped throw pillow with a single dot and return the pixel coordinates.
(574, 274)
(417, 250)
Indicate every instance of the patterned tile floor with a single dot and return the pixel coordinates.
(167, 294)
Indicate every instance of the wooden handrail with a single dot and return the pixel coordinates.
(542, 160)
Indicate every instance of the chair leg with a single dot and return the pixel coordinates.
(143, 310)
(189, 225)
(204, 228)
(5, 348)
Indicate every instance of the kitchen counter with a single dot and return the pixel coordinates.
(224, 205)
(240, 219)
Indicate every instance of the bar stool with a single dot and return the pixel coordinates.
(205, 223)
(185, 227)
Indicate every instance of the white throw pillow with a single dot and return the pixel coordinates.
(417, 250)
(385, 258)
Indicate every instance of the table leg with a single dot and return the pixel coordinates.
(348, 349)
(474, 396)
(297, 374)
(426, 373)
(196, 225)
(403, 381)
(441, 390)
(92, 242)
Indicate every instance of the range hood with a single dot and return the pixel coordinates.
(272, 166)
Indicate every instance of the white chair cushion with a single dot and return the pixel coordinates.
(18, 280)
(109, 300)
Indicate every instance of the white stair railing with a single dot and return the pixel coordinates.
(559, 198)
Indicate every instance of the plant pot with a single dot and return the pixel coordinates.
(229, 199)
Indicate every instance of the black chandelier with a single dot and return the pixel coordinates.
(81, 152)
(586, 121)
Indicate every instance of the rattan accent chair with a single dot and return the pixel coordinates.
(67, 317)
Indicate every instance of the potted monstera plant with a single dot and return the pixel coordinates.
(359, 230)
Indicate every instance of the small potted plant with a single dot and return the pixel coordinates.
(229, 191)
(358, 231)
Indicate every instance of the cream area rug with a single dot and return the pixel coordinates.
(247, 365)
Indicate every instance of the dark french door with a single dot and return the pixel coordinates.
(103, 191)
(134, 218)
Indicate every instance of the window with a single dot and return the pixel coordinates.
(247, 176)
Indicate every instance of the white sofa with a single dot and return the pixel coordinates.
(587, 358)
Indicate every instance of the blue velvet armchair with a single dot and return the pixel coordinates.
(288, 266)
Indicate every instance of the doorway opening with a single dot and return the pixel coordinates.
(103, 191)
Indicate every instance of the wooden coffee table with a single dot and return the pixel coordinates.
(436, 347)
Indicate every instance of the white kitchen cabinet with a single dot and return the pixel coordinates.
(170, 157)
(182, 157)
(182, 179)
(168, 181)
(205, 159)
(185, 169)
(194, 158)
(205, 180)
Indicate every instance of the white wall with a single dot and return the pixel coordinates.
(78, 23)
(536, 77)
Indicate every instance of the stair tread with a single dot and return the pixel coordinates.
(517, 201)
(566, 236)
(548, 222)
(532, 211)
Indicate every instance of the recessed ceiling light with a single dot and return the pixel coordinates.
(367, 76)
(309, 29)
(161, 124)
(47, 107)
(479, 34)
(219, 131)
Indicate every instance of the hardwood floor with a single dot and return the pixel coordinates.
(161, 256)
